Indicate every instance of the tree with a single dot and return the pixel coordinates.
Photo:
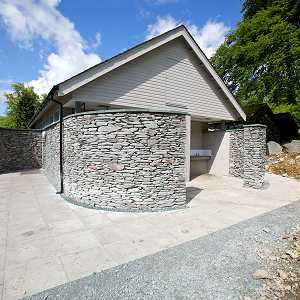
(6, 122)
(21, 105)
(260, 60)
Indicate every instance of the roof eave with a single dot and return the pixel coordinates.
(43, 105)
(104, 67)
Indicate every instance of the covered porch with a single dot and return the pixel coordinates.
(207, 147)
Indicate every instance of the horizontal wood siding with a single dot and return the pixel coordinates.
(169, 74)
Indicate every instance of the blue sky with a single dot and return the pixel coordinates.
(44, 42)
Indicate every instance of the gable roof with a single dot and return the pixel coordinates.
(111, 64)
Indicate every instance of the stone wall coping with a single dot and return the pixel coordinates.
(125, 110)
(234, 129)
(49, 126)
(246, 126)
(20, 129)
(255, 125)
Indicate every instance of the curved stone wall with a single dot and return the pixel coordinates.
(125, 160)
(51, 154)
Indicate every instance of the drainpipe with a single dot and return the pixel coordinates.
(61, 171)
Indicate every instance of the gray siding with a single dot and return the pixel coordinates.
(169, 74)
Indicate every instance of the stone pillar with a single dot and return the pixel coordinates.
(254, 155)
(236, 152)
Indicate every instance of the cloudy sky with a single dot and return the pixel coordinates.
(43, 42)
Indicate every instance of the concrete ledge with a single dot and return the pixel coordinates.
(255, 125)
(124, 110)
(49, 126)
(20, 129)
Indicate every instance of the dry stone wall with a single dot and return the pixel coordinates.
(236, 153)
(248, 154)
(51, 154)
(125, 160)
(254, 155)
(20, 149)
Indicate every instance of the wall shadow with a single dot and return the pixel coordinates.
(191, 193)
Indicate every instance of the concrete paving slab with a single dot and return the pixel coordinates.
(1, 284)
(3, 238)
(217, 266)
(41, 225)
(96, 220)
(34, 276)
(60, 227)
(57, 214)
(86, 262)
(77, 241)
(28, 250)
(122, 216)
(111, 233)
(122, 252)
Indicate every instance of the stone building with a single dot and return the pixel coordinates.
(135, 128)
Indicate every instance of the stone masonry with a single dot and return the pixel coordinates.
(247, 154)
(254, 155)
(20, 149)
(125, 160)
(51, 154)
(236, 150)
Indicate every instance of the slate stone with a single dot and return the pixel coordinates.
(274, 148)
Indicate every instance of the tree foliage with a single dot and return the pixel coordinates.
(6, 122)
(21, 105)
(260, 60)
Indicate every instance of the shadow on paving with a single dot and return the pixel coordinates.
(192, 192)
(217, 266)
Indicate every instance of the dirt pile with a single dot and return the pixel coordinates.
(284, 164)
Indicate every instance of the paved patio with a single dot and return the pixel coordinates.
(45, 241)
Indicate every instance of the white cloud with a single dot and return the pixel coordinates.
(209, 37)
(2, 96)
(97, 41)
(3, 89)
(26, 20)
(6, 81)
(2, 108)
(161, 25)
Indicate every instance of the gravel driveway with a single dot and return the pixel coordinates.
(217, 266)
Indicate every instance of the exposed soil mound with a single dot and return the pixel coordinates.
(284, 164)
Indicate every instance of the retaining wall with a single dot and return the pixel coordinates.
(129, 160)
(20, 149)
(51, 154)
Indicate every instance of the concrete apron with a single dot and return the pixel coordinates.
(45, 241)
